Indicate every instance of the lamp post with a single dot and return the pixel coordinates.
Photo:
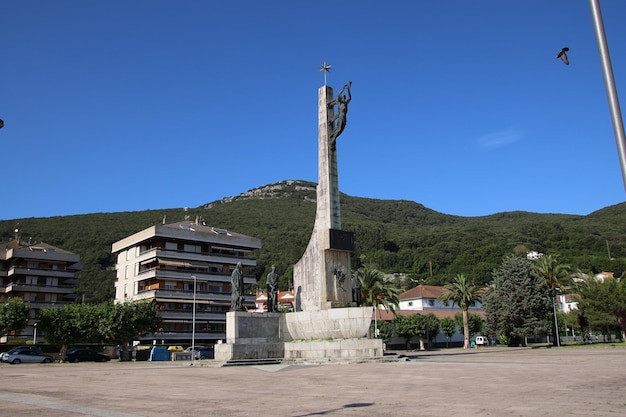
(193, 321)
(35, 333)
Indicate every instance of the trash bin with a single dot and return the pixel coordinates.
(159, 353)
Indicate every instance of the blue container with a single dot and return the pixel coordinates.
(159, 353)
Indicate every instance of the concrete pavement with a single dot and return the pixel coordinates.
(486, 382)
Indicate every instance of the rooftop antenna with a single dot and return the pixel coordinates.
(325, 68)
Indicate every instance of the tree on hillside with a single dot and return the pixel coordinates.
(554, 274)
(517, 304)
(465, 294)
(13, 316)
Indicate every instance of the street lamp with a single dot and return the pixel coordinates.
(193, 321)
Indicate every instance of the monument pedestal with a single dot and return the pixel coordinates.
(334, 334)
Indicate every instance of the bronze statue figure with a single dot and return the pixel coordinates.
(338, 122)
(356, 289)
(272, 291)
(236, 286)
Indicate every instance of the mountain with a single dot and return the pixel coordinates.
(398, 236)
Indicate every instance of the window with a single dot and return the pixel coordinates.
(192, 248)
(52, 282)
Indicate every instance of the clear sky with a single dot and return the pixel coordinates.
(458, 105)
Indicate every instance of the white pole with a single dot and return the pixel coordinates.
(34, 333)
(609, 81)
(193, 321)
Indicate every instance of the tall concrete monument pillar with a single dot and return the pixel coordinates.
(317, 330)
(322, 277)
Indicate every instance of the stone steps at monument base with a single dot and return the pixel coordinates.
(250, 362)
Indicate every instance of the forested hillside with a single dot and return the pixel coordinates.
(397, 236)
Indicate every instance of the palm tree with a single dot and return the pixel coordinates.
(554, 273)
(376, 291)
(465, 294)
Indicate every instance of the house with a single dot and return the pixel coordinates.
(40, 274)
(568, 302)
(286, 300)
(426, 297)
(185, 268)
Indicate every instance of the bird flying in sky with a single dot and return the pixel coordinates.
(563, 56)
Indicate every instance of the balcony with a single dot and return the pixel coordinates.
(196, 256)
(50, 289)
(20, 271)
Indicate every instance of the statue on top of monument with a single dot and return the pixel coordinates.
(338, 121)
(236, 287)
(272, 291)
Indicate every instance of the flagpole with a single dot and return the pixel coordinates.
(609, 81)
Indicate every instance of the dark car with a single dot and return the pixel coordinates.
(205, 353)
(84, 355)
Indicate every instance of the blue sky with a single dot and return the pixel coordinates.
(458, 105)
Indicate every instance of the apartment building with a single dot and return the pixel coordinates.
(185, 268)
(40, 274)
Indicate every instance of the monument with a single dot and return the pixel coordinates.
(322, 277)
(328, 323)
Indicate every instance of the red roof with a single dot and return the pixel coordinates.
(423, 291)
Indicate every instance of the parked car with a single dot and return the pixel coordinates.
(27, 356)
(205, 353)
(482, 341)
(84, 355)
(202, 352)
(35, 349)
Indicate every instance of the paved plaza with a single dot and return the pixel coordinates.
(486, 382)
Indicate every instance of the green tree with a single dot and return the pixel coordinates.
(465, 295)
(68, 325)
(474, 321)
(448, 327)
(432, 324)
(554, 274)
(385, 330)
(376, 292)
(407, 327)
(13, 316)
(603, 303)
(124, 322)
(517, 304)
